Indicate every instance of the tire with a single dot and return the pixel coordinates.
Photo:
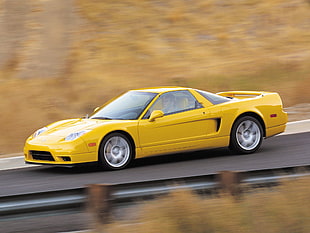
(116, 151)
(246, 135)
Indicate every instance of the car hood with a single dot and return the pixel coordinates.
(66, 127)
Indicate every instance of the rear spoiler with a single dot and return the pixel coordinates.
(242, 94)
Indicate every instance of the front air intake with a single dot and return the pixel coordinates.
(41, 155)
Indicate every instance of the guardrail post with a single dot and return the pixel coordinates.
(99, 202)
(229, 182)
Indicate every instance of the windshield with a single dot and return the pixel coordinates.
(128, 106)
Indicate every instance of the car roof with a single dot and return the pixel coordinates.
(161, 89)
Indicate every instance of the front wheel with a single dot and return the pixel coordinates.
(246, 135)
(115, 151)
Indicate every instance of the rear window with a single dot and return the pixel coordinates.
(213, 98)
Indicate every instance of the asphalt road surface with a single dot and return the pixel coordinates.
(282, 151)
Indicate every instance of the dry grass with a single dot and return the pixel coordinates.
(285, 209)
(213, 45)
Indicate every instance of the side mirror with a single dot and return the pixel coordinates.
(156, 114)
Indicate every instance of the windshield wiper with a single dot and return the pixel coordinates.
(102, 118)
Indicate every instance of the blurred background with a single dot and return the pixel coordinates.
(61, 59)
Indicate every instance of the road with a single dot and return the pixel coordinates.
(282, 151)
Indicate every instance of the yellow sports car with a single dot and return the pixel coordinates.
(157, 121)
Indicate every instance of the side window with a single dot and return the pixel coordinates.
(174, 102)
(213, 98)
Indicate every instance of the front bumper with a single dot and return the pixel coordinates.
(61, 153)
(65, 165)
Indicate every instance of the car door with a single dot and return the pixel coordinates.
(181, 128)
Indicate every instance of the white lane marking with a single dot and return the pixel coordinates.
(297, 127)
(12, 158)
(298, 122)
(13, 163)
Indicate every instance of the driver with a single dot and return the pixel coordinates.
(168, 103)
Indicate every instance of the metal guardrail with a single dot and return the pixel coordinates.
(41, 202)
(58, 202)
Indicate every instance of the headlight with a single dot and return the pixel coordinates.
(75, 135)
(39, 131)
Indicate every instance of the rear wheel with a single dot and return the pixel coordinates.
(246, 135)
(115, 152)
